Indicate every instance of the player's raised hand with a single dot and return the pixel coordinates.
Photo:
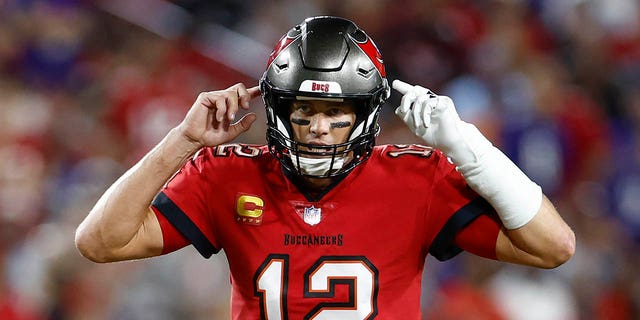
(209, 122)
(434, 119)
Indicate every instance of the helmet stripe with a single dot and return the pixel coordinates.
(284, 42)
(370, 49)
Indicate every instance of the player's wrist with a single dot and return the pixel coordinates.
(184, 139)
(512, 194)
(180, 144)
(496, 178)
(466, 145)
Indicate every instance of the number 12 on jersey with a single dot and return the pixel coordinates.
(271, 283)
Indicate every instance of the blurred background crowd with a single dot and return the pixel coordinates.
(87, 87)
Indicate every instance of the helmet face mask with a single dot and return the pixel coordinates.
(324, 58)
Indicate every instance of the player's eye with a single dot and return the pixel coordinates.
(303, 109)
(335, 111)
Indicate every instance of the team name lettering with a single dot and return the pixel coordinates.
(324, 87)
(312, 240)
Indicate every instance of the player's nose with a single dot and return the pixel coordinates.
(320, 124)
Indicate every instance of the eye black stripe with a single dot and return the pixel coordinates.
(340, 124)
(300, 122)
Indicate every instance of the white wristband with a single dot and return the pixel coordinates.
(496, 178)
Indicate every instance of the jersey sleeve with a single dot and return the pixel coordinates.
(171, 237)
(183, 202)
(480, 236)
(455, 206)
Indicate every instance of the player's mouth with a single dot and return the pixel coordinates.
(318, 150)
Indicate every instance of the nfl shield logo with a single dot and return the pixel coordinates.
(312, 215)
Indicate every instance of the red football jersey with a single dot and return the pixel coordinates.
(357, 252)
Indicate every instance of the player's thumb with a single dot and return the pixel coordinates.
(245, 122)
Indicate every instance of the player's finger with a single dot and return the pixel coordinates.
(248, 94)
(404, 115)
(416, 113)
(211, 117)
(401, 86)
(221, 107)
(234, 103)
(407, 101)
(400, 112)
(213, 101)
(428, 112)
(254, 92)
(445, 104)
(206, 99)
(421, 111)
(235, 97)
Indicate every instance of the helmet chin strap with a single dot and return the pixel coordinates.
(318, 166)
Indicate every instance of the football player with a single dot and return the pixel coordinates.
(321, 223)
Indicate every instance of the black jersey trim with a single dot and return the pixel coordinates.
(443, 246)
(187, 228)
